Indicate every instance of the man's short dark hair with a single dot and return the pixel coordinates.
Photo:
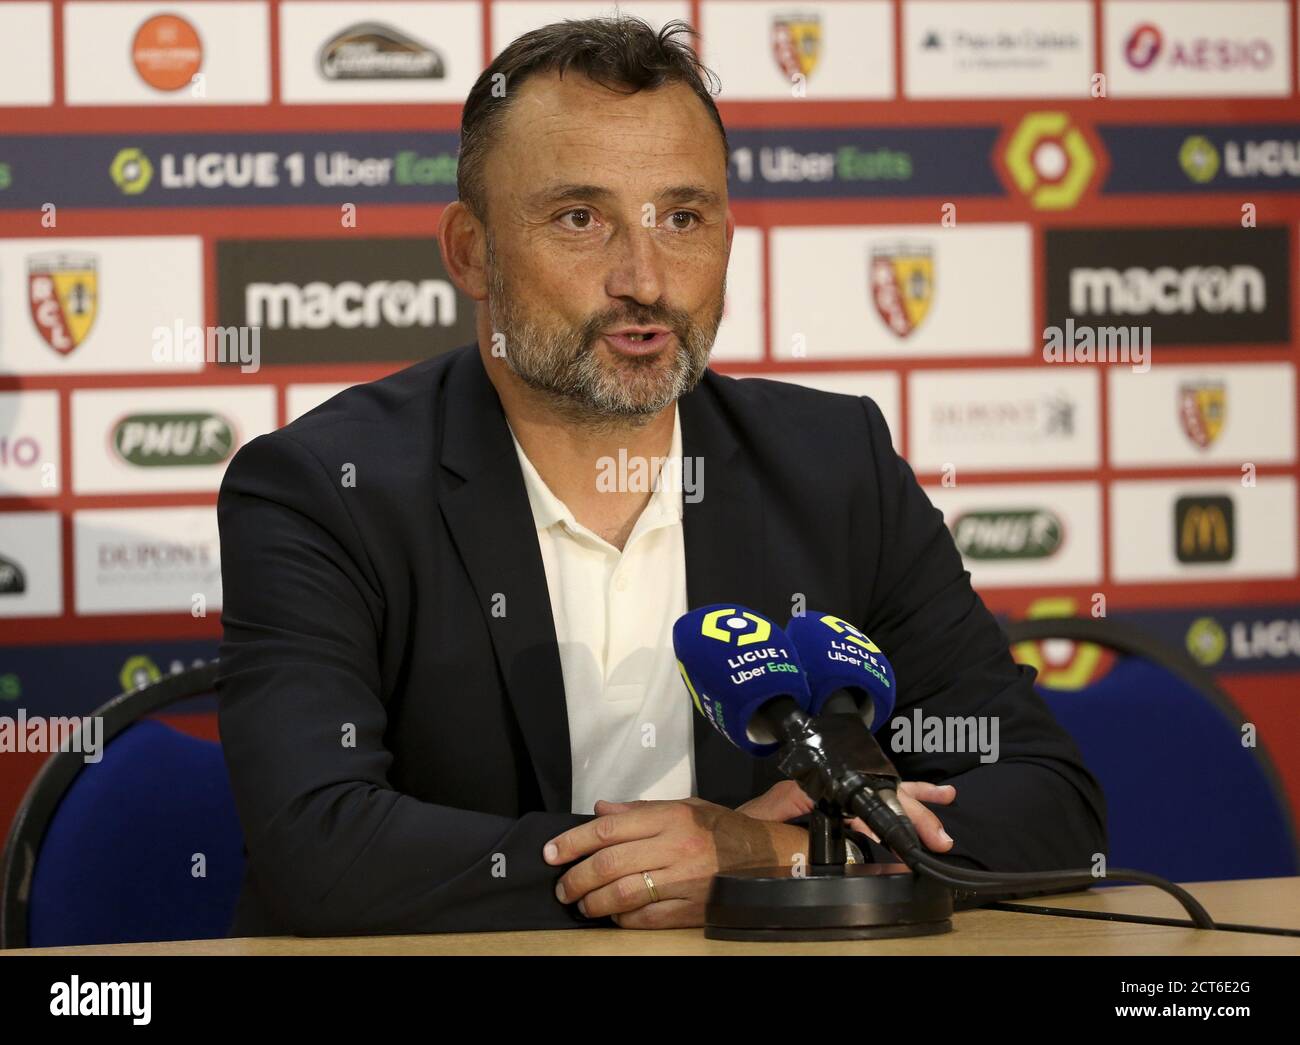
(624, 54)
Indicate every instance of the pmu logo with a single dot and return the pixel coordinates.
(1204, 529)
(746, 627)
(999, 535)
(165, 440)
(1143, 45)
(1050, 160)
(902, 285)
(63, 295)
(796, 44)
(131, 171)
(1202, 407)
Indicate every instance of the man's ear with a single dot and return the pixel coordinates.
(463, 241)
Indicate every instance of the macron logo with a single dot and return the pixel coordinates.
(101, 999)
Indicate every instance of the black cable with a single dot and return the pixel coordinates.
(899, 835)
(1139, 919)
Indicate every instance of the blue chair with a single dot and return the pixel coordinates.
(1185, 799)
(143, 845)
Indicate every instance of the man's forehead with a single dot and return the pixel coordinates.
(577, 108)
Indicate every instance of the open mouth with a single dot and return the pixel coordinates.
(638, 343)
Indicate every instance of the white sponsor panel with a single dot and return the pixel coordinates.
(29, 444)
(513, 18)
(774, 51)
(115, 55)
(740, 334)
(890, 291)
(1145, 530)
(391, 51)
(1044, 418)
(998, 49)
(882, 386)
(27, 70)
(162, 440)
(299, 399)
(1197, 48)
(146, 560)
(31, 565)
(93, 305)
(1022, 535)
(1217, 413)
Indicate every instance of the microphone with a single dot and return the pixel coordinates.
(746, 677)
(853, 685)
(847, 673)
(743, 674)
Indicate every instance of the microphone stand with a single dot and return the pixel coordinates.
(829, 899)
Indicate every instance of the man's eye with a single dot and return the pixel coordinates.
(586, 217)
(683, 214)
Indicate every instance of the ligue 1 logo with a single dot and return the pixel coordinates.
(747, 628)
(166, 52)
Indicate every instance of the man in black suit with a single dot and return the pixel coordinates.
(436, 685)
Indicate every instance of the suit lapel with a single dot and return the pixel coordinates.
(491, 524)
(725, 562)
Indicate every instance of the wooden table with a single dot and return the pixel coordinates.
(1268, 901)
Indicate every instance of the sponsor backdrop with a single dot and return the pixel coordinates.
(1056, 241)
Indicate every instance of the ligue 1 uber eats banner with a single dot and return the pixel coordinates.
(1055, 241)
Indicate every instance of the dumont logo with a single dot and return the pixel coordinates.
(1002, 534)
(374, 51)
(796, 44)
(902, 285)
(167, 52)
(1167, 290)
(13, 581)
(1031, 418)
(154, 555)
(63, 296)
(1202, 408)
(1204, 529)
(1146, 45)
(131, 171)
(350, 304)
(169, 440)
(1049, 160)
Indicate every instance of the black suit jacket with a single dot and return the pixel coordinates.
(399, 754)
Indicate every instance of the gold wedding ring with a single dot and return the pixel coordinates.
(650, 884)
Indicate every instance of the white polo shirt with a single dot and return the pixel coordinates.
(630, 717)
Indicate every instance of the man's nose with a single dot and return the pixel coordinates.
(637, 264)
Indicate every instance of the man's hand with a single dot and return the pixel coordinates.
(785, 800)
(681, 844)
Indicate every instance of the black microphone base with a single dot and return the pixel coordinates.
(867, 902)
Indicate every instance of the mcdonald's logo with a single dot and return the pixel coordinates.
(1204, 529)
